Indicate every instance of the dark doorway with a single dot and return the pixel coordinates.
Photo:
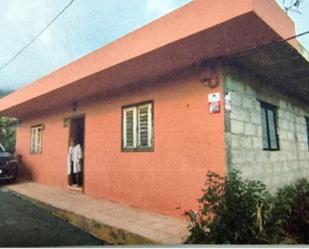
(76, 138)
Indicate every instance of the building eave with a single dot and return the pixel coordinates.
(199, 31)
(280, 66)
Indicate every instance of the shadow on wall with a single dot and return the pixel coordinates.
(24, 170)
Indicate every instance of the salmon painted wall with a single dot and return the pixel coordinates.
(188, 141)
(48, 167)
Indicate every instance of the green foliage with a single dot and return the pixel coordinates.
(7, 128)
(4, 93)
(291, 211)
(8, 133)
(232, 211)
(236, 211)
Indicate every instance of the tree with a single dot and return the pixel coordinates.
(4, 93)
(7, 129)
(8, 133)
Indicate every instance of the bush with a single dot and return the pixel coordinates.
(236, 211)
(232, 211)
(291, 211)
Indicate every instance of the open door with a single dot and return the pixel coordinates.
(76, 151)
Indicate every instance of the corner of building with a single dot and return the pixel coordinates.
(243, 131)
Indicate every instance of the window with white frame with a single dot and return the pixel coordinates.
(36, 139)
(137, 127)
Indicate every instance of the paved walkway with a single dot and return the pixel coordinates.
(112, 222)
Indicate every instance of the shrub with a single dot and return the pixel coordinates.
(232, 211)
(291, 211)
(236, 211)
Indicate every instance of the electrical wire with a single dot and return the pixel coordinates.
(68, 5)
(296, 36)
(271, 43)
(35, 37)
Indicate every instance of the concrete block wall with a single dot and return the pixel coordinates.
(243, 132)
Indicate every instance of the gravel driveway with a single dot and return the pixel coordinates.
(23, 224)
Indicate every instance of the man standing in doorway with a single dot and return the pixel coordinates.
(74, 167)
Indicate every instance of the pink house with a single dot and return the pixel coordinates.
(213, 85)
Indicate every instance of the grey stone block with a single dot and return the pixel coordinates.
(237, 127)
(250, 129)
(274, 168)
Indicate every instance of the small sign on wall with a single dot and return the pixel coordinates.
(214, 102)
(227, 101)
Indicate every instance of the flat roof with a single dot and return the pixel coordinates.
(198, 31)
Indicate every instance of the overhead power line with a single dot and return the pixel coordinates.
(70, 3)
(271, 43)
(35, 37)
(296, 36)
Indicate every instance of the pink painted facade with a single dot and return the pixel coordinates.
(167, 180)
(168, 62)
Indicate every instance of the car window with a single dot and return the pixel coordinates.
(2, 148)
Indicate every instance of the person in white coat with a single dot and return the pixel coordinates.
(74, 167)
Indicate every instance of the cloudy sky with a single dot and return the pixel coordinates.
(85, 26)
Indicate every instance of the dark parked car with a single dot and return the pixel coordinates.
(8, 166)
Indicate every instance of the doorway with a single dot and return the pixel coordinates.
(76, 151)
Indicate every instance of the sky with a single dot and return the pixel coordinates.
(85, 26)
